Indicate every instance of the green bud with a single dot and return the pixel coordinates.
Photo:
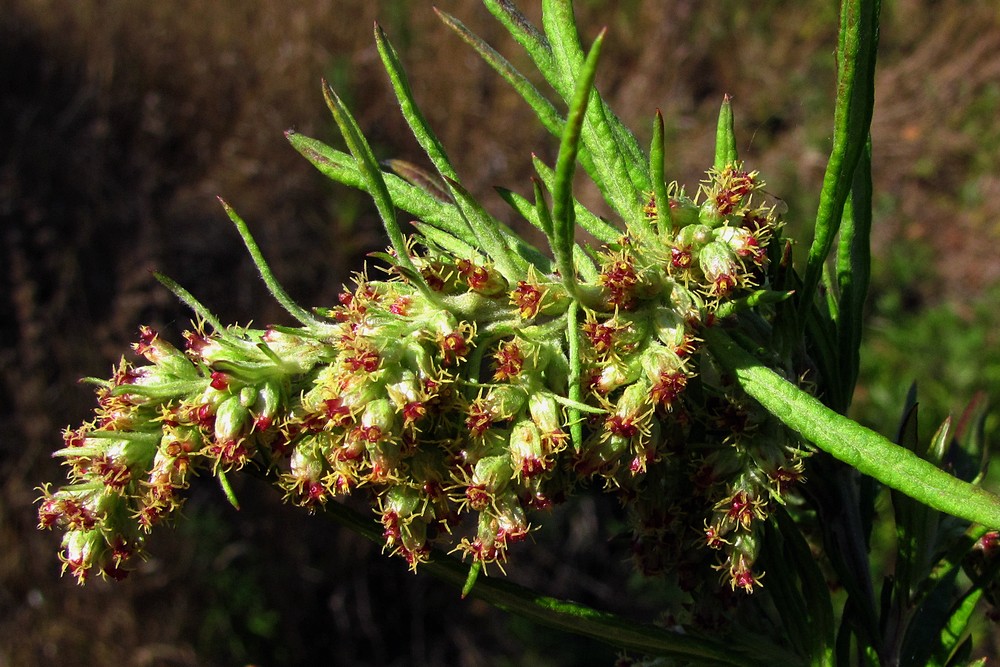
(683, 211)
(167, 358)
(601, 453)
(82, 550)
(669, 326)
(248, 396)
(298, 354)
(511, 521)
(545, 412)
(721, 268)
(632, 330)
(634, 400)
(528, 456)
(709, 214)
(403, 501)
(505, 401)
(404, 389)
(493, 472)
(694, 237)
(268, 402)
(613, 375)
(231, 419)
(306, 462)
(380, 414)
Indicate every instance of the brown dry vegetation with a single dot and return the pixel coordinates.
(121, 121)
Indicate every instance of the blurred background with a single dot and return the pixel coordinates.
(122, 121)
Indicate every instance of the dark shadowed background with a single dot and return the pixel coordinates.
(122, 121)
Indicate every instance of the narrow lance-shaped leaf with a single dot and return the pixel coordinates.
(852, 118)
(488, 233)
(563, 221)
(624, 165)
(545, 111)
(789, 600)
(949, 642)
(445, 241)
(227, 488)
(486, 229)
(854, 273)
(664, 223)
(375, 185)
(612, 159)
(419, 178)
(447, 217)
(201, 311)
(850, 442)
(273, 286)
(575, 366)
(908, 513)
(815, 589)
(527, 35)
(600, 229)
(538, 213)
(342, 168)
(411, 111)
(725, 137)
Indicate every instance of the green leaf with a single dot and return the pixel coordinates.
(374, 182)
(940, 622)
(538, 215)
(416, 176)
(916, 524)
(754, 299)
(273, 286)
(782, 587)
(411, 111)
(600, 229)
(489, 236)
(664, 224)
(445, 241)
(201, 311)
(620, 164)
(575, 370)
(342, 168)
(614, 150)
(725, 137)
(227, 489)
(544, 110)
(854, 274)
(858, 39)
(815, 589)
(850, 442)
(563, 219)
(487, 230)
(527, 35)
(470, 579)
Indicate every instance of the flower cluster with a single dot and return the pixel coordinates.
(446, 398)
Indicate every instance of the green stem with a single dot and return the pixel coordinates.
(573, 339)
